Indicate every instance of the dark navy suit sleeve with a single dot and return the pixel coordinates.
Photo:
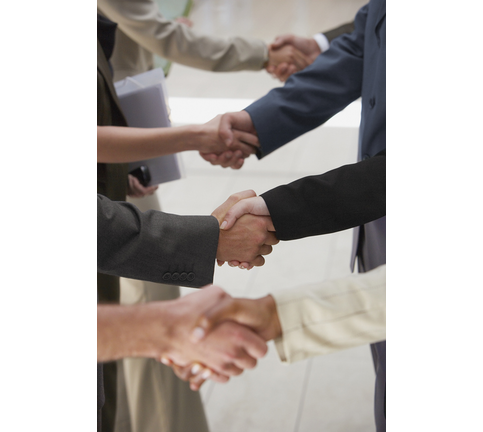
(343, 198)
(155, 246)
(311, 97)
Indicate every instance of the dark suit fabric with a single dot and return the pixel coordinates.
(155, 246)
(111, 182)
(354, 66)
(339, 199)
(338, 31)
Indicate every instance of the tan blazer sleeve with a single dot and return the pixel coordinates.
(141, 21)
(333, 315)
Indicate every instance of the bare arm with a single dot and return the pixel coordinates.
(121, 144)
(160, 329)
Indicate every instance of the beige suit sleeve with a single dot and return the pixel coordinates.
(330, 316)
(141, 21)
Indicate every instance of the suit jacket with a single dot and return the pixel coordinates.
(155, 246)
(343, 198)
(329, 316)
(111, 178)
(353, 67)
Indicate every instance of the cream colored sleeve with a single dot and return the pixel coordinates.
(333, 315)
(144, 24)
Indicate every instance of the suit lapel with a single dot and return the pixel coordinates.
(105, 71)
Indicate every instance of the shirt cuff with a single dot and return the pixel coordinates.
(322, 41)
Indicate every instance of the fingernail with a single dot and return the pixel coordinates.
(197, 334)
(195, 369)
(241, 267)
(231, 265)
(165, 361)
(224, 224)
(206, 374)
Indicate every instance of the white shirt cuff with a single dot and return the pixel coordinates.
(322, 41)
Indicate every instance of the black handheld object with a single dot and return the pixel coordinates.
(142, 174)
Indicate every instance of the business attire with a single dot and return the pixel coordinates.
(143, 31)
(342, 198)
(329, 316)
(138, 394)
(353, 67)
(111, 182)
(158, 247)
(155, 246)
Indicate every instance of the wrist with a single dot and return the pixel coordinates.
(192, 137)
(150, 330)
(274, 329)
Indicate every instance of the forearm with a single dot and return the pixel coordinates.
(312, 96)
(122, 144)
(349, 196)
(143, 23)
(126, 331)
(155, 246)
(330, 316)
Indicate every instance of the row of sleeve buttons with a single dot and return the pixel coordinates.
(179, 276)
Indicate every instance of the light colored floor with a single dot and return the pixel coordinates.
(332, 393)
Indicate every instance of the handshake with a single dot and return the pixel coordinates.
(217, 336)
(288, 54)
(246, 231)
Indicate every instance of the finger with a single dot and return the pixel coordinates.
(234, 263)
(245, 265)
(253, 345)
(266, 250)
(258, 261)
(221, 211)
(300, 60)
(280, 41)
(219, 262)
(290, 71)
(209, 157)
(197, 381)
(225, 129)
(244, 360)
(186, 372)
(166, 361)
(230, 369)
(237, 165)
(271, 239)
(219, 377)
(237, 211)
(245, 141)
(281, 70)
(223, 310)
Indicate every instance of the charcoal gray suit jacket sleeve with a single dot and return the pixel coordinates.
(155, 246)
(346, 197)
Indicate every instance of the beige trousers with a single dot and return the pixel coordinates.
(150, 398)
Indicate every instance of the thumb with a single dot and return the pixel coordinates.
(280, 41)
(223, 310)
(237, 211)
(225, 129)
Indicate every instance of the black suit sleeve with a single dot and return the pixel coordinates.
(155, 246)
(343, 198)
